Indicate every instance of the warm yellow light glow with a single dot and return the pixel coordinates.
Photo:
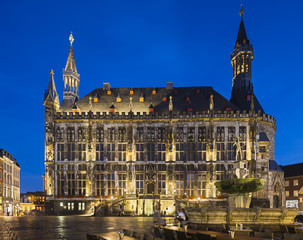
(131, 92)
(109, 92)
(141, 99)
(154, 92)
(95, 99)
(118, 99)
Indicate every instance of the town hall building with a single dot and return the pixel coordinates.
(139, 150)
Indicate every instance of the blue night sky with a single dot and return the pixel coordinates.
(132, 43)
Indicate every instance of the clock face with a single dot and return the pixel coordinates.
(263, 149)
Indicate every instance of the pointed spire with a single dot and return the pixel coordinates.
(242, 37)
(51, 92)
(71, 64)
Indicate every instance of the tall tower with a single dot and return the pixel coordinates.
(71, 79)
(241, 58)
(51, 104)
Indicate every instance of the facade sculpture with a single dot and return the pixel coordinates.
(147, 148)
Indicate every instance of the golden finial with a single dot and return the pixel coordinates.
(241, 11)
(71, 38)
(52, 72)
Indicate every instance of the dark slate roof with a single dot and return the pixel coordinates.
(293, 170)
(273, 166)
(198, 100)
(8, 155)
(242, 37)
(263, 137)
(51, 91)
(240, 98)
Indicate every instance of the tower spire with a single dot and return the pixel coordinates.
(71, 78)
(51, 94)
(241, 58)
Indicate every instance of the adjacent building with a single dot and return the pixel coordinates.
(32, 203)
(10, 184)
(293, 175)
(145, 149)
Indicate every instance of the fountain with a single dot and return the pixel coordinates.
(239, 188)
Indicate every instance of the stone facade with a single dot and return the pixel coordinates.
(142, 149)
(9, 184)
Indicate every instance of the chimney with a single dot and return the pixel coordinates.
(106, 86)
(169, 85)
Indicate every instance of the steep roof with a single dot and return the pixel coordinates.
(71, 63)
(293, 170)
(183, 98)
(51, 92)
(242, 37)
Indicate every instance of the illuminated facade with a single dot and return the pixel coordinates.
(10, 184)
(143, 149)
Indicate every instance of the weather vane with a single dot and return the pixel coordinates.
(52, 72)
(241, 11)
(71, 38)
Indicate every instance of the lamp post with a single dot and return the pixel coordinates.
(112, 204)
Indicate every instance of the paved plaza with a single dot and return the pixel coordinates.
(68, 227)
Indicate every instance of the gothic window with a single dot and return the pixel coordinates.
(190, 184)
(231, 134)
(71, 152)
(71, 184)
(220, 134)
(190, 134)
(220, 151)
(59, 134)
(122, 183)
(150, 134)
(100, 184)
(202, 134)
(179, 151)
(100, 134)
(247, 64)
(238, 64)
(60, 152)
(81, 152)
(161, 134)
(243, 63)
(231, 151)
(179, 134)
(122, 152)
(70, 134)
(139, 182)
(111, 152)
(242, 133)
(179, 184)
(201, 152)
(99, 152)
(162, 183)
(122, 134)
(140, 152)
(60, 183)
(190, 152)
(111, 184)
(161, 152)
(81, 134)
(202, 184)
(111, 134)
(81, 184)
(140, 134)
(150, 152)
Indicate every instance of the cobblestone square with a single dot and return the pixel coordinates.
(68, 227)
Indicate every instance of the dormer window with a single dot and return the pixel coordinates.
(154, 92)
(118, 98)
(131, 92)
(141, 99)
(96, 98)
(109, 92)
(164, 99)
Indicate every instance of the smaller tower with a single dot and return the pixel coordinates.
(241, 58)
(71, 79)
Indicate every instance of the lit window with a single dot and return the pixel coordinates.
(109, 92)
(296, 182)
(131, 92)
(287, 193)
(154, 92)
(61, 204)
(296, 193)
(118, 99)
(141, 99)
(286, 183)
